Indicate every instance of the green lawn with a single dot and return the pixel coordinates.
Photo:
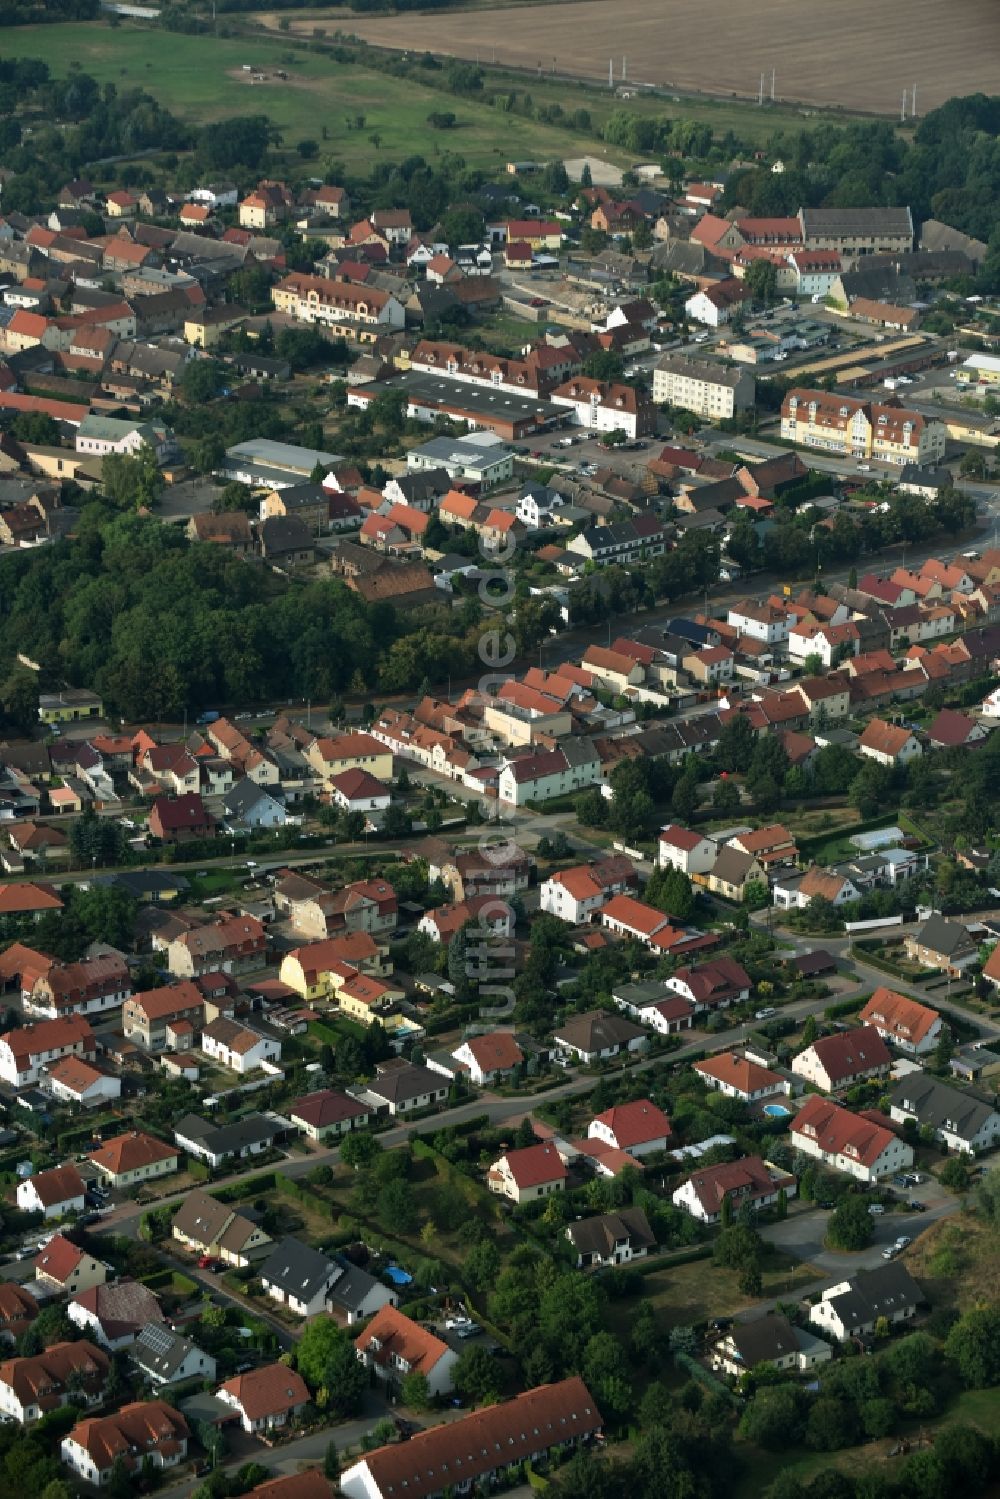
(205, 81)
(742, 117)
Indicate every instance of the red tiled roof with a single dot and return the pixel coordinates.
(487, 1439)
(850, 1053)
(839, 1132)
(535, 1164)
(738, 1072)
(129, 1152)
(635, 1123)
(901, 1017)
(400, 1338)
(271, 1391)
(58, 1259)
(325, 1108)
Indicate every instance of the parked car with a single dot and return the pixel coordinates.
(765, 1013)
(876, 1209)
(918, 1207)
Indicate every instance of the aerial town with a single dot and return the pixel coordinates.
(499, 777)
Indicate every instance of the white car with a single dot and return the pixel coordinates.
(876, 1209)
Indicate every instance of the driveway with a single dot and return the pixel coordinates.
(801, 1234)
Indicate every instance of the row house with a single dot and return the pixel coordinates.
(24, 1053)
(167, 1017)
(489, 1446)
(542, 775)
(853, 1143)
(361, 312)
(606, 407)
(148, 1431)
(84, 988)
(233, 944)
(577, 895)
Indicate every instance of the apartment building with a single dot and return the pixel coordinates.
(349, 310)
(852, 428)
(711, 390)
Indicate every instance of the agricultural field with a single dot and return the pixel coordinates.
(834, 58)
(206, 81)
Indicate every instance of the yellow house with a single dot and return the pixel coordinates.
(69, 706)
(316, 970)
(204, 328)
(367, 999)
(331, 757)
(540, 234)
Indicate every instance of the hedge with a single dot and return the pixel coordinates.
(253, 1186)
(668, 1261)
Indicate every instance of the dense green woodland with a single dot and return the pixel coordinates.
(156, 624)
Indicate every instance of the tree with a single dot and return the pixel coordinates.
(773, 1417)
(954, 1175)
(360, 1148)
(988, 1196)
(684, 801)
(415, 1390)
(756, 895)
(397, 1208)
(670, 890)
(132, 483)
(331, 1462)
(726, 796)
(851, 1226)
(476, 1376)
(973, 1345)
(762, 282)
(809, 1030)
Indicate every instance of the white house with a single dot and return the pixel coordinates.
(528, 1173)
(851, 1308)
(738, 1077)
(848, 1142)
(962, 1119)
(639, 1128)
(749, 1180)
(888, 743)
(714, 305)
(164, 1357)
(488, 1057)
(25, 1052)
(265, 1398)
(761, 622)
(394, 1346)
(34, 1385)
(577, 895)
(686, 850)
(794, 892)
(73, 1080)
(299, 1277)
(535, 505)
(52, 1193)
(843, 1059)
(238, 1047)
(359, 791)
(907, 1024)
(149, 1427)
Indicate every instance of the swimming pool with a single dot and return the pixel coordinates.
(397, 1276)
(776, 1111)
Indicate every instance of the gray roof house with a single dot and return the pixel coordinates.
(254, 806)
(356, 1295)
(299, 1277)
(769, 1340)
(164, 1357)
(599, 1034)
(401, 1086)
(216, 1143)
(961, 1119)
(611, 1238)
(852, 1307)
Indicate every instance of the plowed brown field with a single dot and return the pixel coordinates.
(856, 54)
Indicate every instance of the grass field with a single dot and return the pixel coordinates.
(684, 1295)
(832, 57)
(205, 81)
